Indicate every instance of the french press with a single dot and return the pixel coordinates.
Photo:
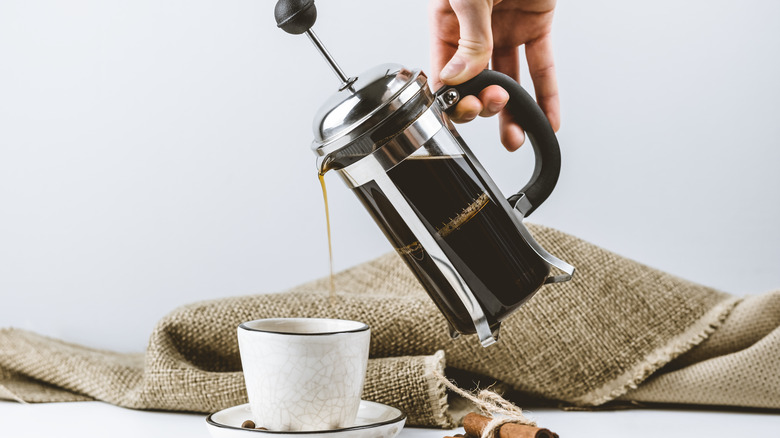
(390, 139)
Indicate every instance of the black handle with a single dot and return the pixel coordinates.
(537, 128)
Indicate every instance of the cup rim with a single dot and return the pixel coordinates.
(360, 326)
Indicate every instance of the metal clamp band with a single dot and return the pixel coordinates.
(394, 151)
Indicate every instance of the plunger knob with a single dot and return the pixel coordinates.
(295, 16)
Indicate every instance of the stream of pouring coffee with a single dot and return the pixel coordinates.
(321, 176)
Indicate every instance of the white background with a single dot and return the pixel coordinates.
(96, 419)
(155, 153)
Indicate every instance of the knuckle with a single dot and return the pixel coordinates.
(475, 47)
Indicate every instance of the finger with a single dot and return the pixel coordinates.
(443, 23)
(512, 135)
(541, 65)
(494, 99)
(475, 44)
(466, 110)
(507, 61)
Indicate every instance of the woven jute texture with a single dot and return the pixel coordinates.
(738, 365)
(584, 342)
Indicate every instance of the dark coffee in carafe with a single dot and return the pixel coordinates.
(471, 226)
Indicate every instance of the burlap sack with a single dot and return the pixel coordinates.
(584, 342)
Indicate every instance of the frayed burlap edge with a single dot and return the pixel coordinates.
(691, 337)
(437, 393)
(7, 394)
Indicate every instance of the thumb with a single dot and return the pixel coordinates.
(475, 45)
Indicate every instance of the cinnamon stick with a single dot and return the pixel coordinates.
(475, 424)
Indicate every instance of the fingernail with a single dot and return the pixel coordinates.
(515, 138)
(453, 68)
(498, 106)
(495, 107)
(470, 116)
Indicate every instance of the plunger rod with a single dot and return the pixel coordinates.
(345, 80)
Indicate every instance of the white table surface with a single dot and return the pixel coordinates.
(96, 419)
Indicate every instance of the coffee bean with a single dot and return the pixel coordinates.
(248, 424)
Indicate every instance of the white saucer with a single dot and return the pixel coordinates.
(373, 419)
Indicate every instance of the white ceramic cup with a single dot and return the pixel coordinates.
(304, 374)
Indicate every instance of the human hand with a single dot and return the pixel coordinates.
(467, 34)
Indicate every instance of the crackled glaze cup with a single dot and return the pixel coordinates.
(303, 374)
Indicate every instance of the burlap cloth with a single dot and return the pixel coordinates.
(619, 330)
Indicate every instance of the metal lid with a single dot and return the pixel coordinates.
(356, 110)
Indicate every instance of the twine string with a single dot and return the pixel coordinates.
(500, 410)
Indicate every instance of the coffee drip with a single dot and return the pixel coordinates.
(332, 283)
